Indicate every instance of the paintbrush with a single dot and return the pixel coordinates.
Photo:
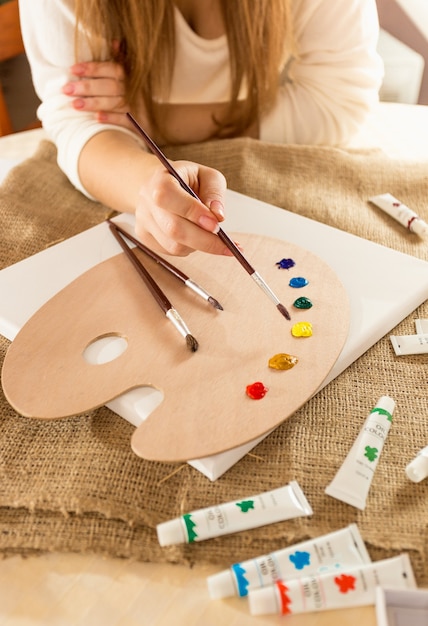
(221, 234)
(200, 291)
(156, 291)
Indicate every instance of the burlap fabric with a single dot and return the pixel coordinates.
(75, 484)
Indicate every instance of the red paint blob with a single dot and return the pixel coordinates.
(345, 583)
(256, 391)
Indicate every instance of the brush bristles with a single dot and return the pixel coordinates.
(215, 303)
(192, 344)
(281, 308)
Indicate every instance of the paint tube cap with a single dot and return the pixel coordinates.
(419, 227)
(387, 404)
(221, 585)
(417, 469)
(263, 601)
(171, 533)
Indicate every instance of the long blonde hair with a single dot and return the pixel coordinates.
(259, 34)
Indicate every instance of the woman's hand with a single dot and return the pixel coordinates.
(100, 88)
(170, 220)
(117, 172)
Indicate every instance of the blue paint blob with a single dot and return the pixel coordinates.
(300, 559)
(285, 264)
(298, 282)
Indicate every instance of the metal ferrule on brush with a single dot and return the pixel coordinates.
(197, 289)
(261, 283)
(178, 322)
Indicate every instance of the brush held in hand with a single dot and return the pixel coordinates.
(221, 234)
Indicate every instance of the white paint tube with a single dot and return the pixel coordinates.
(350, 588)
(273, 506)
(417, 469)
(402, 213)
(409, 344)
(332, 552)
(421, 326)
(353, 479)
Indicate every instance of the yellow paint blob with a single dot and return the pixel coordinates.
(283, 361)
(302, 329)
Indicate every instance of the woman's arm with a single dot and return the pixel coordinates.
(48, 33)
(108, 163)
(121, 175)
(331, 87)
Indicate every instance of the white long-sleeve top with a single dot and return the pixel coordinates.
(325, 93)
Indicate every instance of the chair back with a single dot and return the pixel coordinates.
(11, 45)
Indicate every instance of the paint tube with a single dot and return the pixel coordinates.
(409, 344)
(350, 588)
(353, 479)
(332, 552)
(402, 213)
(421, 327)
(277, 505)
(417, 469)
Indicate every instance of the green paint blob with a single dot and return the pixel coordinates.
(245, 505)
(371, 453)
(302, 303)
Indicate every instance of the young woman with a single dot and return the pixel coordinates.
(288, 71)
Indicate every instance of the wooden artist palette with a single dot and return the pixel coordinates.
(205, 408)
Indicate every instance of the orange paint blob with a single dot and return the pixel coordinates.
(283, 361)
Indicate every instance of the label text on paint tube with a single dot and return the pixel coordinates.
(250, 512)
(348, 588)
(409, 344)
(331, 552)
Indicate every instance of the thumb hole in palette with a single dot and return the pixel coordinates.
(105, 349)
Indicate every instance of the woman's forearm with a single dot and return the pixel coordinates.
(113, 167)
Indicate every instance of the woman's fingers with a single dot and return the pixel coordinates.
(98, 69)
(99, 87)
(99, 94)
(167, 233)
(176, 220)
(210, 186)
(93, 87)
